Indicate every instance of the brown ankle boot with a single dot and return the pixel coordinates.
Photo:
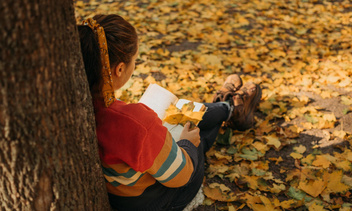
(243, 104)
(232, 84)
(243, 116)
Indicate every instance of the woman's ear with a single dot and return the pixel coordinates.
(118, 69)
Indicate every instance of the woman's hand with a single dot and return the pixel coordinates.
(191, 134)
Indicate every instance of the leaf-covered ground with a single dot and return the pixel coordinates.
(298, 156)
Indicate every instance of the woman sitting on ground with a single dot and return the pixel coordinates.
(144, 168)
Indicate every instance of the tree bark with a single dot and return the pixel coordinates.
(48, 148)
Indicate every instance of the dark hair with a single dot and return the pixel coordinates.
(122, 42)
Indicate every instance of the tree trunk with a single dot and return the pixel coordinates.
(48, 149)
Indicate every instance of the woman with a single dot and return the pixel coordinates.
(144, 168)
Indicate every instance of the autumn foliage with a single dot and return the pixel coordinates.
(298, 155)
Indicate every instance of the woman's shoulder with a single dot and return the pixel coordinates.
(134, 112)
(134, 109)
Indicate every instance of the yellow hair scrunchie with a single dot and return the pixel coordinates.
(107, 89)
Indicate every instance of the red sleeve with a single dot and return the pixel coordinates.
(131, 134)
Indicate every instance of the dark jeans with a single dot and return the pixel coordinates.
(211, 123)
(209, 128)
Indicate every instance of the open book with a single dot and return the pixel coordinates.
(159, 99)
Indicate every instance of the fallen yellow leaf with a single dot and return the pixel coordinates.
(309, 159)
(326, 94)
(346, 100)
(340, 133)
(265, 106)
(321, 161)
(316, 207)
(278, 188)
(296, 155)
(222, 187)
(334, 182)
(347, 180)
(252, 182)
(215, 193)
(242, 21)
(267, 203)
(345, 82)
(273, 140)
(287, 204)
(313, 187)
(329, 117)
(260, 146)
(349, 156)
(277, 53)
(300, 149)
(231, 208)
(344, 165)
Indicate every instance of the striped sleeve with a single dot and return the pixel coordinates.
(128, 178)
(173, 166)
(122, 180)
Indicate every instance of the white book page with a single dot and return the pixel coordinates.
(158, 99)
(175, 130)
